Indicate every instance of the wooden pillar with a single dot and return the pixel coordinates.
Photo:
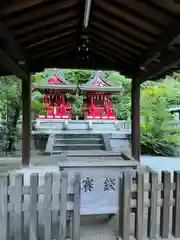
(135, 119)
(26, 121)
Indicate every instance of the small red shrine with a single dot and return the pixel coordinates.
(56, 103)
(97, 101)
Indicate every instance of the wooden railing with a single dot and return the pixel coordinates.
(147, 207)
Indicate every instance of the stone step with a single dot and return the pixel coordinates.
(86, 154)
(78, 141)
(95, 153)
(80, 135)
(77, 146)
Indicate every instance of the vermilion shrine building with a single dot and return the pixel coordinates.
(57, 105)
(97, 98)
(97, 102)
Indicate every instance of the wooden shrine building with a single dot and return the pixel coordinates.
(140, 39)
(97, 101)
(57, 105)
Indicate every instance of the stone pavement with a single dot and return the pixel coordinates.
(161, 163)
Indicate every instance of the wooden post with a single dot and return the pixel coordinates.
(135, 119)
(26, 121)
(176, 207)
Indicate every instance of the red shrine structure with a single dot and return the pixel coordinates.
(57, 105)
(97, 101)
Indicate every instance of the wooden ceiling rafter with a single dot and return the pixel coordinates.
(124, 45)
(114, 49)
(124, 21)
(52, 50)
(149, 22)
(160, 47)
(167, 10)
(52, 45)
(45, 11)
(118, 36)
(119, 32)
(49, 32)
(166, 63)
(39, 64)
(11, 43)
(12, 56)
(12, 66)
(48, 22)
(65, 50)
(20, 6)
(125, 35)
(141, 7)
(108, 52)
(114, 65)
(146, 26)
(51, 39)
(123, 27)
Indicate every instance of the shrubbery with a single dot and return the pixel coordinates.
(159, 136)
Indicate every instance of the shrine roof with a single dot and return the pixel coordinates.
(140, 39)
(55, 82)
(56, 78)
(98, 83)
(55, 87)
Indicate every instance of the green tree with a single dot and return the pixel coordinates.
(122, 101)
(11, 106)
(157, 133)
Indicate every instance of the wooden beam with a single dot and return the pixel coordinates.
(117, 50)
(56, 50)
(118, 43)
(50, 39)
(118, 10)
(65, 50)
(147, 10)
(46, 32)
(17, 63)
(123, 28)
(135, 119)
(119, 36)
(160, 69)
(52, 46)
(118, 64)
(20, 6)
(69, 60)
(11, 43)
(160, 47)
(8, 63)
(26, 121)
(110, 53)
(48, 22)
(55, 8)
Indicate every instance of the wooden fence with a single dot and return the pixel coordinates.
(54, 197)
(147, 207)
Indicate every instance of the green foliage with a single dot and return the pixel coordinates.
(77, 76)
(157, 131)
(122, 101)
(158, 135)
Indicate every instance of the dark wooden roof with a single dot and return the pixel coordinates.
(139, 38)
